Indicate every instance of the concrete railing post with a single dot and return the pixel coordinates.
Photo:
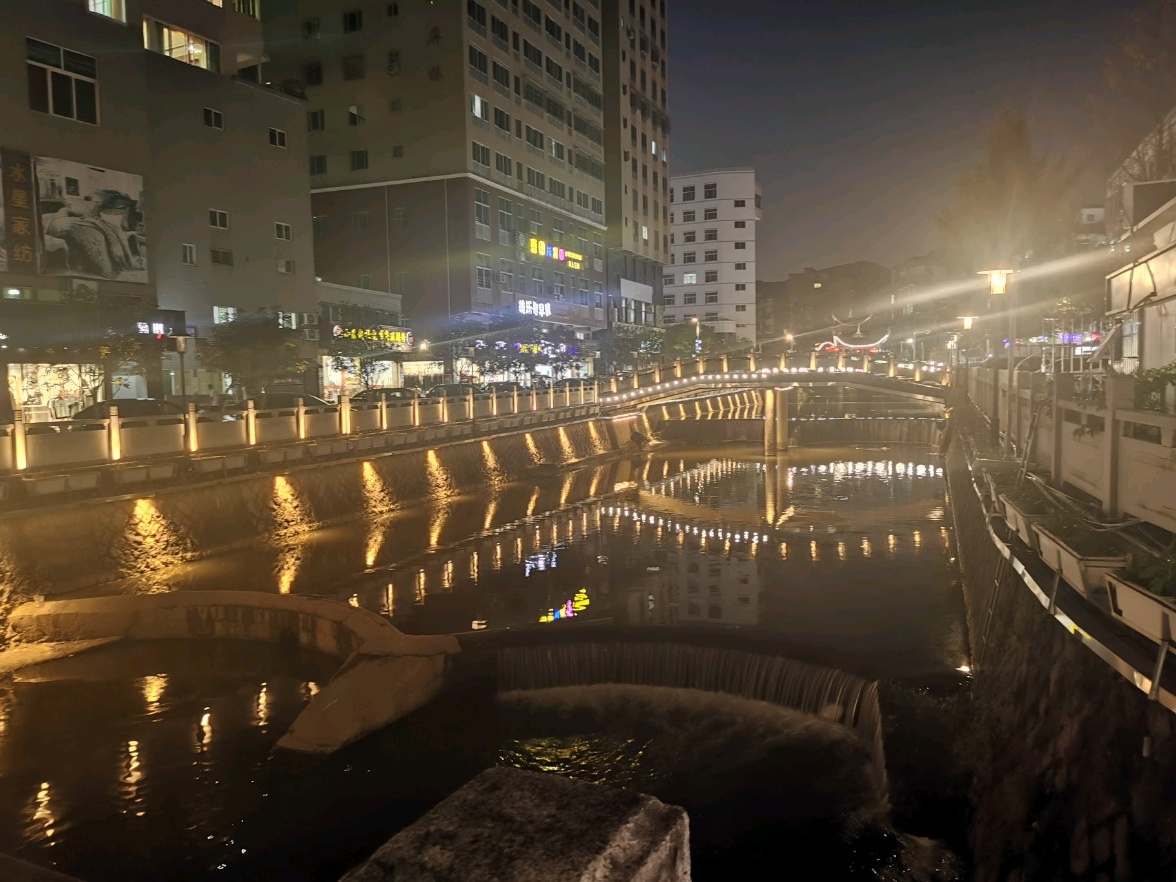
(191, 428)
(783, 362)
(20, 441)
(470, 404)
(251, 422)
(383, 411)
(726, 364)
(582, 384)
(918, 372)
(813, 360)
(300, 418)
(551, 396)
(751, 363)
(700, 366)
(114, 441)
(596, 391)
(678, 369)
(345, 415)
(891, 368)
(657, 375)
(636, 380)
(534, 399)
(514, 400)
(416, 412)
(841, 360)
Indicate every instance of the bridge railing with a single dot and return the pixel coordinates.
(71, 444)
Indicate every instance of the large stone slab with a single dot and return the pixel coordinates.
(510, 825)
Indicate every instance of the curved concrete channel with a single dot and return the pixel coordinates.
(385, 674)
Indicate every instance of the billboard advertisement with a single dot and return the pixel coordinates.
(18, 231)
(89, 221)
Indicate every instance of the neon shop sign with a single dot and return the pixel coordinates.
(571, 258)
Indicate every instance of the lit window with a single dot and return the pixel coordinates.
(222, 315)
(110, 8)
(690, 278)
(479, 107)
(181, 45)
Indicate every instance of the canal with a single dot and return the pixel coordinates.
(152, 761)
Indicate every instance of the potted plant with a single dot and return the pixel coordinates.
(1082, 554)
(1023, 506)
(1143, 594)
(998, 475)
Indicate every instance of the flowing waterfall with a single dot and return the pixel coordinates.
(833, 694)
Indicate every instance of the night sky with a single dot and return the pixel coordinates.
(857, 114)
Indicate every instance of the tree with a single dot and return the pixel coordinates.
(255, 351)
(363, 359)
(1139, 76)
(632, 347)
(679, 341)
(1011, 206)
(91, 365)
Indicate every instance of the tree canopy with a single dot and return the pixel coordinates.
(255, 351)
(1013, 205)
(631, 346)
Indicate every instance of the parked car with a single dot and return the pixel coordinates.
(271, 400)
(452, 390)
(391, 393)
(129, 407)
(507, 387)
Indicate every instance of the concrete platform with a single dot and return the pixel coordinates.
(510, 825)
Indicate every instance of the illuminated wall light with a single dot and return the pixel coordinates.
(151, 547)
(310, 689)
(440, 484)
(533, 449)
(261, 713)
(389, 599)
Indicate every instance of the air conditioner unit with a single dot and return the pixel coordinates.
(310, 334)
(309, 319)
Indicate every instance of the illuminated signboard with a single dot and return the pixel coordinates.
(571, 258)
(535, 307)
(393, 338)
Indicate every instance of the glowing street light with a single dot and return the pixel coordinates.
(998, 284)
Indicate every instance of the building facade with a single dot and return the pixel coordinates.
(148, 174)
(637, 135)
(456, 152)
(710, 277)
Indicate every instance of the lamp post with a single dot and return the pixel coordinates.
(181, 348)
(697, 336)
(998, 285)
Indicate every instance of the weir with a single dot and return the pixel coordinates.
(835, 695)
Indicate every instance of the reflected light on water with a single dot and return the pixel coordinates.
(565, 445)
(491, 510)
(440, 484)
(474, 565)
(814, 553)
(262, 709)
(566, 490)
(205, 727)
(377, 530)
(353, 600)
(131, 776)
(290, 513)
(534, 502)
(493, 466)
(153, 687)
(376, 498)
(437, 521)
(841, 549)
(287, 565)
(389, 600)
(783, 551)
(866, 548)
(917, 537)
(891, 543)
(420, 586)
(44, 819)
(310, 689)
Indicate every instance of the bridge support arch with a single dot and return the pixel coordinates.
(776, 420)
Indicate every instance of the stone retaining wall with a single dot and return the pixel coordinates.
(1071, 764)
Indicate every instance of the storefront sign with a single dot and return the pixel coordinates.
(400, 339)
(535, 307)
(17, 217)
(571, 258)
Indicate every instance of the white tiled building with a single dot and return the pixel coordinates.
(711, 272)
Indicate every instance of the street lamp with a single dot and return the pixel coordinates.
(181, 348)
(998, 284)
(697, 336)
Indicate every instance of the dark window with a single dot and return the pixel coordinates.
(318, 165)
(312, 73)
(352, 21)
(359, 160)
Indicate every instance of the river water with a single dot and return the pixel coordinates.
(152, 761)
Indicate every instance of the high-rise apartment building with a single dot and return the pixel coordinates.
(456, 151)
(710, 276)
(149, 181)
(637, 134)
